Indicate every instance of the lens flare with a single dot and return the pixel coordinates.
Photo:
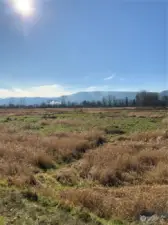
(25, 8)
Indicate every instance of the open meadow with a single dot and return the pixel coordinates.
(83, 166)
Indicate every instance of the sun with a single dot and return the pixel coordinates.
(24, 7)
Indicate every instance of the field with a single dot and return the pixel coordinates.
(83, 166)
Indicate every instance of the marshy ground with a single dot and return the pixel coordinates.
(82, 166)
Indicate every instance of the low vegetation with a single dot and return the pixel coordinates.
(23, 153)
(88, 166)
(127, 203)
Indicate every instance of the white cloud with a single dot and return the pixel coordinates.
(91, 88)
(54, 90)
(96, 88)
(110, 77)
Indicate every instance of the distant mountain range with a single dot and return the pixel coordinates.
(98, 95)
(77, 97)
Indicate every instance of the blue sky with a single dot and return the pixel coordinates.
(84, 45)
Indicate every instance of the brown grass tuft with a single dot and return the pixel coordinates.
(124, 164)
(150, 135)
(21, 154)
(72, 146)
(67, 176)
(165, 121)
(44, 161)
(121, 203)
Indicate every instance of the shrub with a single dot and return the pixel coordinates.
(44, 161)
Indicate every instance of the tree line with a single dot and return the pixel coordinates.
(142, 99)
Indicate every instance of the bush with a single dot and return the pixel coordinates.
(44, 161)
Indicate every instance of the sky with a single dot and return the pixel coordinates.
(83, 45)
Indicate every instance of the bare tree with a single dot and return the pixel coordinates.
(147, 98)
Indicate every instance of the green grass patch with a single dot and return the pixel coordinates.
(2, 220)
(112, 123)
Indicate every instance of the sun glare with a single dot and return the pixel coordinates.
(24, 7)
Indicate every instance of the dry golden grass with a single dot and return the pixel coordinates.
(44, 161)
(72, 146)
(37, 111)
(23, 154)
(128, 162)
(150, 136)
(23, 180)
(67, 176)
(147, 113)
(135, 165)
(120, 203)
(44, 122)
(165, 121)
